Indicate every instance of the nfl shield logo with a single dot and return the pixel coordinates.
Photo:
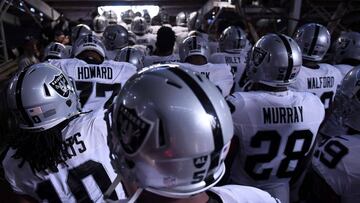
(60, 85)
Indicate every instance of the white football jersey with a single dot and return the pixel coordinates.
(322, 82)
(96, 85)
(180, 29)
(242, 194)
(111, 54)
(180, 36)
(336, 160)
(219, 74)
(276, 131)
(151, 60)
(344, 68)
(237, 62)
(148, 40)
(88, 173)
(154, 28)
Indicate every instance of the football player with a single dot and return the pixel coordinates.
(318, 78)
(347, 51)
(99, 25)
(232, 43)
(131, 55)
(144, 39)
(115, 37)
(336, 170)
(111, 17)
(181, 30)
(58, 153)
(194, 54)
(146, 125)
(165, 41)
(275, 127)
(97, 80)
(55, 50)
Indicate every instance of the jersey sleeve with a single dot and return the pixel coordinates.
(216, 58)
(240, 194)
(223, 78)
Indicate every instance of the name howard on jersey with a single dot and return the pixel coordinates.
(88, 72)
(280, 115)
(232, 60)
(320, 82)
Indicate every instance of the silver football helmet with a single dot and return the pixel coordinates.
(55, 50)
(79, 31)
(139, 26)
(149, 144)
(147, 16)
(348, 96)
(193, 45)
(347, 46)
(111, 17)
(313, 40)
(115, 37)
(181, 19)
(131, 55)
(89, 43)
(275, 60)
(99, 24)
(233, 39)
(42, 96)
(128, 16)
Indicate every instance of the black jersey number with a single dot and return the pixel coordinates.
(273, 139)
(327, 99)
(86, 88)
(46, 189)
(333, 152)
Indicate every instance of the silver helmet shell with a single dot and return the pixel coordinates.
(42, 96)
(194, 45)
(139, 26)
(79, 31)
(131, 55)
(167, 157)
(275, 60)
(55, 50)
(181, 19)
(89, 43)
(111, 17)
(348, 98)
(347, 46)
(128, 16)
(115, 37)
(99, 24)
(233, 39)
(313, 40)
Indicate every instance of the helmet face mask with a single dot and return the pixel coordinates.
(233, 39)
(42, 96)
(194, 45)
(275, 60)
(115, 37)
(313, 40)
(146, 127)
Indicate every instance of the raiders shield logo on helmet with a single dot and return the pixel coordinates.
(258, 55)
(131, 128)
(60, 85)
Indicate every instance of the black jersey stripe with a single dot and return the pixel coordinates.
(314, 40)
(290, 57)
(19, 103)
(209, 109)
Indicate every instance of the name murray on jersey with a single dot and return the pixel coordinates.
(88, 72)
(280, 115)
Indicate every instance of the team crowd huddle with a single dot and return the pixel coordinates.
(128, 110)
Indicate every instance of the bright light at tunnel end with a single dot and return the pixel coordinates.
(153, 10)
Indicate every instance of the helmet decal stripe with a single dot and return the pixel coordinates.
(127, 57)
(290, 57)
(314, 40)
(209, 108)
(194, 42)
(18, 97)
(238, 44)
